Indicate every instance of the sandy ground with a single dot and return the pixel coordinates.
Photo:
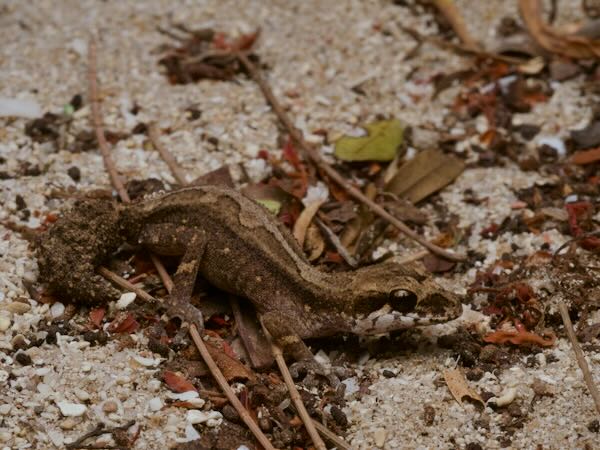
(318, 50)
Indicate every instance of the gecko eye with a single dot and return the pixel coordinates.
(403, 301)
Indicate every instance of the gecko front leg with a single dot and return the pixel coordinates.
(170, 239)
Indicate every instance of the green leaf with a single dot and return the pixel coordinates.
(68, 109)
(381, 143)
(272, 205)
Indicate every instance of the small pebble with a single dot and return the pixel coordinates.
(82, 395)
(194, 416)
(18, 307)
(155, 404)
(5, 409)
(380, 436)
(4, 323)
(110, 407)
(125, 300)
(56, 437)
(57, 309)
(67, 424)
(24, 359)
(146, 362)
(190, 433)
(86, 367)
(68, 409)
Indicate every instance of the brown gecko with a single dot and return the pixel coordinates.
(241, 248)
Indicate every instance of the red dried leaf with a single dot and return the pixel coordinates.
(490, 231)
(523, 291)
(220, 41)
(177, 382)
(96, 316)
(518, 338)
(245, 41)
(228, 350)
(291, 155)
(123, 323)
(50, 218)
(334, 257)
(575, 210)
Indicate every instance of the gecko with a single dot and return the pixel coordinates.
(238, 246)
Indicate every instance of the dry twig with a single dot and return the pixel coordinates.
(452, 15)
(316, 159)
(214, 370)
(243, 412)
(459, 48)
(97, 431)
(294, 394)
(583, 365)
(97, 124)
(330, 436)
(166, 155)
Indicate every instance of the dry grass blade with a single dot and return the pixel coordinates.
(549, 38)
(97, 124)
(583, 365)
(294, 394)
(165, 154)
(316, 159)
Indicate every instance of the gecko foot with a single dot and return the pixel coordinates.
(187, 313)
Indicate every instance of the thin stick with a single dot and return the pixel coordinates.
(162, 272)
(205, 355)
(100, 429)
(316, 159)
(452, 15)
(125, 284)
(245, 416)
(97, 124)
(331, 436)
(583, 365)
(166, 155)
(335, 241)
(459, 48)
(294, 394)
(412, 257)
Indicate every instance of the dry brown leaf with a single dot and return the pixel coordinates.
(177, 382)
(426, 173)
(551, 39)
(458, 387)
(304, 220)
(232, 369)
(586, 156)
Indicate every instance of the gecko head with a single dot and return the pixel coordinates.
(394, 297)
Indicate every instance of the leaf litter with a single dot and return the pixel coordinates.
(510, 299)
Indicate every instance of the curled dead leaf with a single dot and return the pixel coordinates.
(305, 219)
(551, 39)
(458, 387)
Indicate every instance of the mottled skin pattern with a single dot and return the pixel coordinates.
(241, 248)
